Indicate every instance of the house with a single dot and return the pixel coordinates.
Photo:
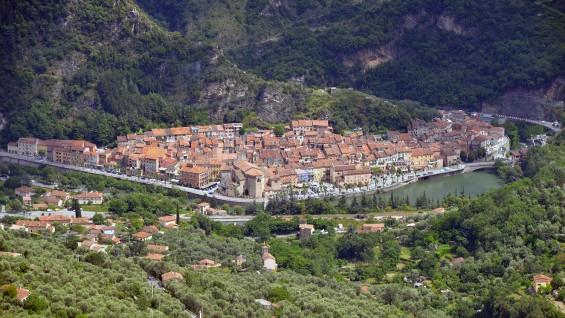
(64, 196)
(35, 226)
(305, 230)
(195, 177)
(202, 206)
(269, 261)
(90, 244)
(89, 198)
(167, 221)
(108, 229)
(59, 218)
(27, 201)
(372, 228)
(22, 294)
(27, 146)
(150, 229)
(171, 275)
(265, 303)
(81, 221)
(239, 260)
(212, 211)
(541, 280)
(206, 263)
(457, 261)
(25, 191)
(155, 257)
(10, 254)
(54, 201)
(142, 236)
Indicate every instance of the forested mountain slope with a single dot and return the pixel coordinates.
(96, 68)
(93, 69)
(446, 53)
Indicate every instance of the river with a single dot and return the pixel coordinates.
(472, 183)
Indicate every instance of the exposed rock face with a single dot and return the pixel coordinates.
(421, 21)
(372, 57)
(537, 103)
(274, 104)
(272, 101)
(447, 23)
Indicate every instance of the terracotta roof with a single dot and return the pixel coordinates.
(25, 189)
(167, 218)
(195, 169)
(22, 293)
(89, 195)
(268, 256)
(155, 257)
(171, 275)
(157, 248)
(142, 235)
(540, 278)
(150, 229)
(55, 218)
(58, 193)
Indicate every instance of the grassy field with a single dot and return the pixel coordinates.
(94, 208)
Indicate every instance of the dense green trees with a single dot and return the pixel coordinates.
(484, 50)
(111, 70)
(65, 284)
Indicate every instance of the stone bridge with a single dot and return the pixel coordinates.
(474, 166)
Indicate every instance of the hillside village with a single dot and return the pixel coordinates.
(256, 164)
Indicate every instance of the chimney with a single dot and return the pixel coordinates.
(264, 249)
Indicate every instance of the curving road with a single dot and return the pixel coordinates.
(38, 161)
(533, 121)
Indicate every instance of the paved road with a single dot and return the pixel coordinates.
(381, 183)
(533, 121)
(34, 214)
(165, 184)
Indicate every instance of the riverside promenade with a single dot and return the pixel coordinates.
(385, 185)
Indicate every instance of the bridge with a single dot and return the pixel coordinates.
(479, 165)
(533, 121)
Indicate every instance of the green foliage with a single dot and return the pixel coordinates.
(95, 258)
(77, 208)
(278, 130)
(10, 291)
(62, 286)
(278, 294)
(351, 109)
(473, 60)
(355, 247)
(35, 303)
(98, 219)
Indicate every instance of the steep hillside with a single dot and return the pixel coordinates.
(441, 53)
(98, 68)
(446, 53)
(94, 69)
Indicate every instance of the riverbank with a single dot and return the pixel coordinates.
(388, 183)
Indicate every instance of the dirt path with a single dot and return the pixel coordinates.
(558, 304)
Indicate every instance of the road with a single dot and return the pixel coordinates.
(382, 183)
(533, 121)
(34, 214)
(165, 184)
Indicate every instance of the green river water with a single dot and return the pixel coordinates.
(473, 183)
